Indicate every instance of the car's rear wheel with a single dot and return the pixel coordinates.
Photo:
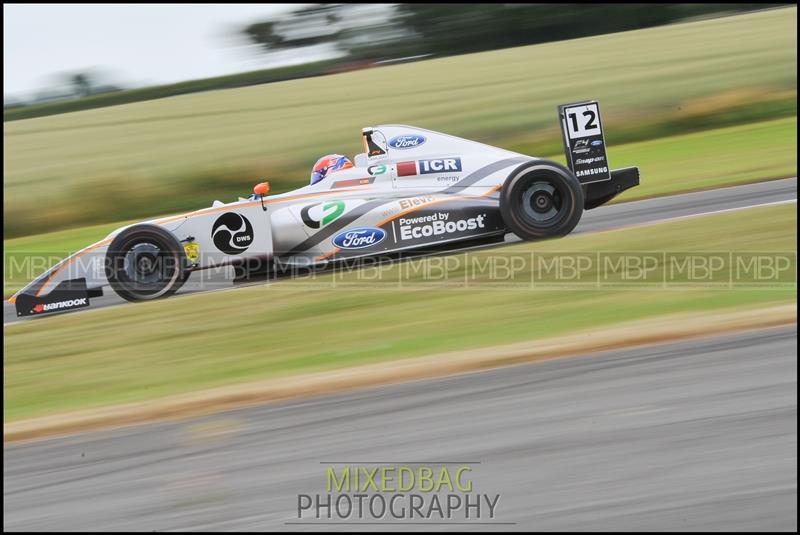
(145, 262)
(541, 199)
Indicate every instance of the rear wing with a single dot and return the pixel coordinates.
(585, 149)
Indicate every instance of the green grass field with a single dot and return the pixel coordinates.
(706, 159)
(150, 350)
(148, 158)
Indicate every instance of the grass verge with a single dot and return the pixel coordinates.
(152, 350)
(213, 400)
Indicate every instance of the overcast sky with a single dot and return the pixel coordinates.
(134, 44)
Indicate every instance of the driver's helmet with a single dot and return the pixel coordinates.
(329, 164)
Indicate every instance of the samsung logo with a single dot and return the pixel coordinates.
(597, 142)
(359, 238)
(409, 141)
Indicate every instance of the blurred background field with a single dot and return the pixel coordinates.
(732, 78)
(421, 307)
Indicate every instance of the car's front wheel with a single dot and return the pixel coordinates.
(541, 199)
(145, 262)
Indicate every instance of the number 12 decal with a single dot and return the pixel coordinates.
(590, 123)
(583, 121)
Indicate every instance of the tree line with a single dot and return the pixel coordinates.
(365, 35)
(391, 31)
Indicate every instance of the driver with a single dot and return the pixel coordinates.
(329, 164)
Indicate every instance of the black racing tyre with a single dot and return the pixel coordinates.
(541, 199)
(145, 262)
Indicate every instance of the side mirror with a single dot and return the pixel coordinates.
(261, 189)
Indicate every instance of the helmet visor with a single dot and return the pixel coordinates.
(316, 176)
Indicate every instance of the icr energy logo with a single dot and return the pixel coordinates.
(395, 493)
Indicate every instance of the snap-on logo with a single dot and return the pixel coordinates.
(359, 238)
(408, 141)
(232, 233)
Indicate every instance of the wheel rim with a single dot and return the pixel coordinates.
(143, 264)
(542, 203)
(147, 268)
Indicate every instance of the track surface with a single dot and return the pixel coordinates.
(699, 435)
(603, 218)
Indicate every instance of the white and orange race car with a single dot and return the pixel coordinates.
(410, 189)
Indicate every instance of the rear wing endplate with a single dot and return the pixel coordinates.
(584, 141)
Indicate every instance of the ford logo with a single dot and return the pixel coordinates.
(597, 142)
(409, 141)
(359, 238)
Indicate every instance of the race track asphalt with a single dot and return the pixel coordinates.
(603, 218)
(696, 435)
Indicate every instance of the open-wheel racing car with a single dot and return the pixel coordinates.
(410, 189)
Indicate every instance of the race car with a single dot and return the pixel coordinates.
(411, 189)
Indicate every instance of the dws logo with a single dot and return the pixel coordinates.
(408, 141)
(232, 233)
(331, 212)
(359, 238)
